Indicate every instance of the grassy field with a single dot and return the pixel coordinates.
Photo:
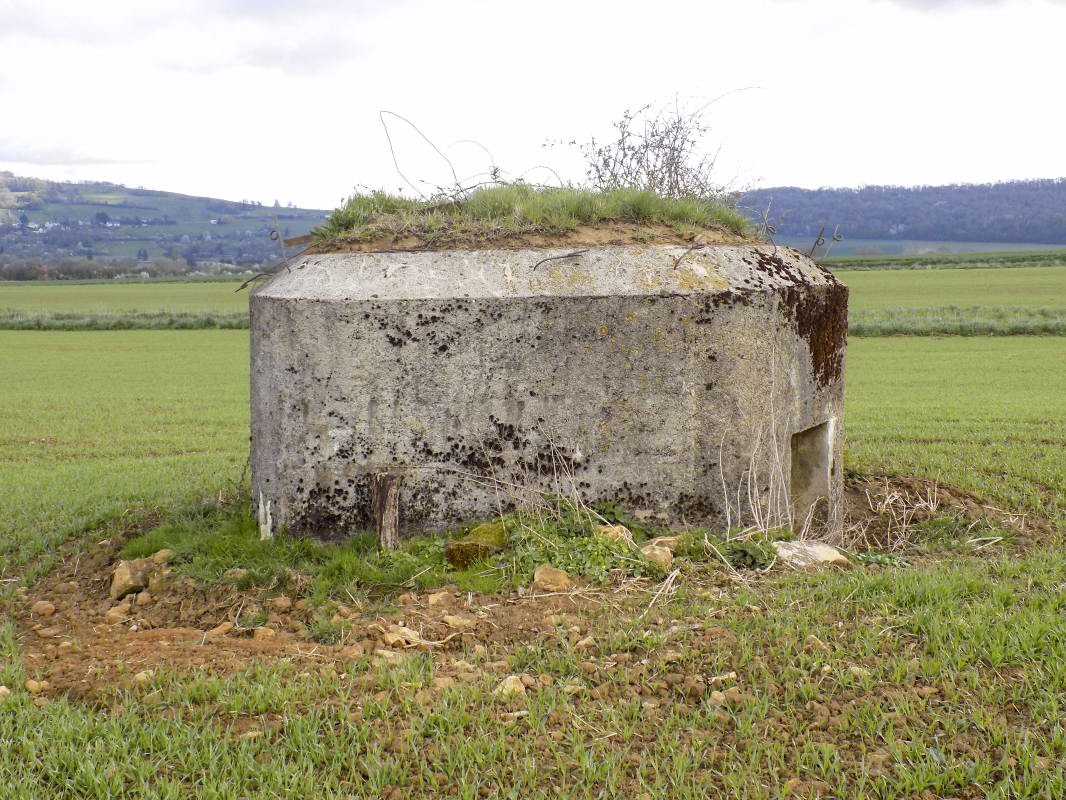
(977, 301)
(98, 423)
(974, 257)
(1024, 287)
(998, 301)
(983, 414)
(942, 678)
(113, 297)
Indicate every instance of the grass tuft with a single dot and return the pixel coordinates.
(518, 209)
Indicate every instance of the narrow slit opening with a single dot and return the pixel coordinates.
(812, 467)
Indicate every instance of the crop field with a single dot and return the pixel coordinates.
(934, 668)
(115, 297)
(947, 300)
(974, 301)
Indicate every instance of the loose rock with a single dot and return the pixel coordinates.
(281, 603)
(458, 622)
(4, 692)
(117, 614)
(438, 598)
(42, 608)
(615, 533)
(219, 630)
(263, 633)
(547, 578)
(803, 554)
(511, 686)
(669, 542)
(658, 555)
(163, 556)
(144, 676)
(131, 576)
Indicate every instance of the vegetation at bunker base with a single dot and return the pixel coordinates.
(513, 210)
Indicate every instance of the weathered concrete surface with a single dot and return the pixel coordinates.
(481, 376)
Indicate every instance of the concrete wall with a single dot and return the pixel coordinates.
(485, 376)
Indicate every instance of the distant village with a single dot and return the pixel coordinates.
(90, 230)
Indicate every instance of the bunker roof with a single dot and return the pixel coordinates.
(602, 271)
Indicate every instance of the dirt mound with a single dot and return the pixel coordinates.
(583, 236)
(69, 639)
(180, 624)
(883, 513)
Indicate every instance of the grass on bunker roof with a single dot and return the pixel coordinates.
(507, 212)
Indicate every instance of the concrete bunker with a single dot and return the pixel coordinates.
(417, 390)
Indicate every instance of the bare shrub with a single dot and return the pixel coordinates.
(656, 150)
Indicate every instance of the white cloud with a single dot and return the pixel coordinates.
(963, 5)
(267, 98)
(52, 155)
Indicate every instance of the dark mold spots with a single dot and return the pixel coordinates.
(820, 315)
(709, 303)
(331, 513)
(771, 264)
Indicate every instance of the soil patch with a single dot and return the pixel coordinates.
(182, 624)
(582, 236)
(892, 513)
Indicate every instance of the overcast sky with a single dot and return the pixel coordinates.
(279, 99)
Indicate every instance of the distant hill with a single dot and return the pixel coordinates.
(1015, 211)
(54, 229)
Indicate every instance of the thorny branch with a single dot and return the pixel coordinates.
(677, 261)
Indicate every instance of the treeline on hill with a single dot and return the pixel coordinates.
(51, 230)
(74, 269)
(1014, 211)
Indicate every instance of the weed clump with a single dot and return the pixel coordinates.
(211, 543)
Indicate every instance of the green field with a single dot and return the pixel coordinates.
(37, 297)
(977, 301)
(944, 676)
(871, 290)
(1025, 287)
(999, 301)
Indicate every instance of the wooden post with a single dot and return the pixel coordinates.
(385, 506)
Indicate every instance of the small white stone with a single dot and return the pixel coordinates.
(659, 555)
(511, 686)
(804, 554)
